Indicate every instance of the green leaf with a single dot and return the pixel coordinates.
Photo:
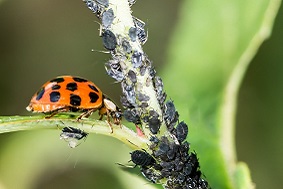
(210, 51)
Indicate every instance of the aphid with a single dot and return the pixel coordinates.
(141, 34)
(125, 103)
(113, 69)
(137, 59)
(151, 175)
(154, 142)
(107, 18)
(143, 69)
(104, 3)
(152, 72)
(158, 85)
(72, 136)
(171, 116)
(92, 5)
(161, 99)
(109, 40)
(129, 92)
(183, 151)
(143, 97)
(181, 131)
(142, 158)
(132, 115)
(133, 34)
(167, 151)
(132, 76)
(73, 94)
(153, 122)
(126, 46)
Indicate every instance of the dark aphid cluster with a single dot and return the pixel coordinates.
(175, 163)
(170, 160)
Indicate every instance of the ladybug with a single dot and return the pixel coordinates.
(74, 94)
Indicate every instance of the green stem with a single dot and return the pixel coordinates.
(123, 133)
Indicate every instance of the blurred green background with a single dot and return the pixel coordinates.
(41, 39)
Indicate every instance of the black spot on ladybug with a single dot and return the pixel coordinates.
(40, 93)
(78, 79)
(55, 96)
(142, 158)
(75, 100)
(72, 86)
(93, 88)
(93, 97)
(55, 87)
(109, 40)
(57, 80)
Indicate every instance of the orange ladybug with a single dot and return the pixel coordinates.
(73, 94)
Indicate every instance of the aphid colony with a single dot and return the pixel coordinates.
(168, 156)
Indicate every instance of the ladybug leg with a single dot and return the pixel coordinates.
(85, 114)
(100, 116)
(104, 111)
(109, 122)
(51, 115)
